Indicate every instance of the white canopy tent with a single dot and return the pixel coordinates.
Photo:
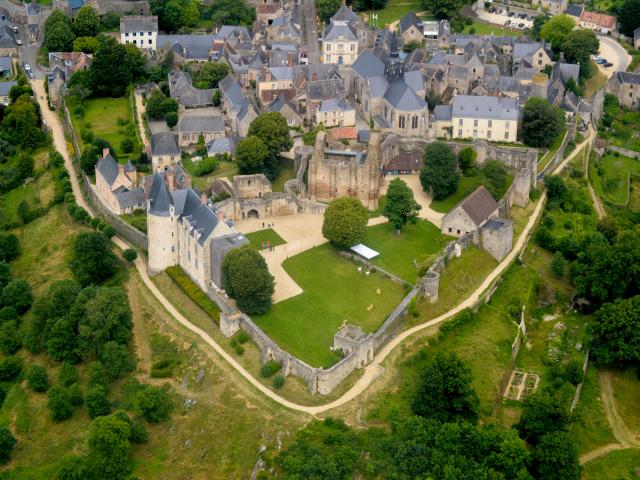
(364, 251)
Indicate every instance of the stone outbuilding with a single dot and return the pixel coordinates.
(496, 237)
(191, 127)
(470, 214)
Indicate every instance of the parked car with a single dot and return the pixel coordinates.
(27, 67)
(608, 64)
(510, 14)
(507, 23)
(15, 29)
(601, 61)
(521, 25)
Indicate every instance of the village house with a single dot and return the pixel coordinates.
(62, 66)
(536, 55)
(165, 151)
(6, 67)
(411, 29)
(116, 185)
(194, 127)
(5, 88)
(553, 7)
(470, 214)
(238, 107)
(140, 30)
(188, 48)
(7, 40)
(287, 109)
(336, 112)
(188, 96)
(598, 22)
(626, 87)
(274, 82)
(286, 28)
(344, 37)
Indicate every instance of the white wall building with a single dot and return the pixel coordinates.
(140, 30)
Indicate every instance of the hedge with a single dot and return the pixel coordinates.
(194, 292)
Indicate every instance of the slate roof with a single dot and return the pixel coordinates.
(192, 47)
(281, 73)
(403, 98)
(7, 37)
(442, 112)
(575, 10)
(164, 143)
(344, 14)
(525, 50)
(160, 198)
(405, 162)
(221, 145)
(409, 20)
(479, 205)
(184, 92)
(567, 71)
(628, 77)
(494, 224)
(33, 8)
(334, 31)
(5, 87)
(334, 104)
(108, 168)
(279, 103)
(232, 31)
(231, 89)
(131, 198)
(414, 80)
(201, 123)
(368, 64)
(378, 85)
(138, 23)
(5, 64)
(487, 107)
(201, 217)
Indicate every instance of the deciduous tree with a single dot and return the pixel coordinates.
(154, 404)
(327, 8)
(438, 175)
(273, 130)
(248, 281)
(251, 155)
(629, 17)
(7, 441)
(542, 413)
(86, 22)
(109, 448)
(556, 30)
(579, 46)
(401, 207)
(92, 260)
(541, 123)
(345, 221)
(556, 457)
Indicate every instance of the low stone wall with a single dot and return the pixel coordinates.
(394, 322)
(126, 231)
(623, 151)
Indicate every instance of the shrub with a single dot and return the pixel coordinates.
(59, 403)
(154, 404)
(97, 403)
(75, 395)
(243, 337)
(194, 292)
(129, 254)
(278, 381)
(94, 222)
(17, 293)
(67, 374)
(573, 372)
(10, 368)
(7, 441)
(37, 378)
(270, 368)
(239, 349)
(109, 231)
(139, 434)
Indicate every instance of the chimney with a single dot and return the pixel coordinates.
(220, 215)
(314, 76)
(203, 198)
(120, 169)
(289, 60)
(105, 152)
(169, 178)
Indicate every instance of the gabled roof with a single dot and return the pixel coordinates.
(227, 32)
(575, 10)
(5, 87)
(335, 31)
(628, 77)
(221, 145)
(279, 103)
(599, 19)
(232, 90)
(164, 143)
(344, 14)
(526, 50)
(190, 46)
(410, 20)
(479, 205)
(442, 112)
(368, 64)
(5, 63)
(403, 98)
(334, 104)
(108, 169)
(183, 91)
(201, 123)
(130, 198)
(138, 23)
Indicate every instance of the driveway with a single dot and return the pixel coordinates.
(310, 31)
(615, 53)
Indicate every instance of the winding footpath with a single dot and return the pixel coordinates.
(371, 371)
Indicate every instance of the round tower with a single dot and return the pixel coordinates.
(162, 227)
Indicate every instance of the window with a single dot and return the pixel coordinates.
(540, 54)
(475, 123)
(490, 124)
(414, 122)
(134, 42)
(460, 133)
(539, 62)
(126, 34)
(328, 47)
(460, 122)
(290, 121)
(142, 34)
(506, 135)
(401, 121)
(475, 133)
(134, 34)
(507, 124)
(489, 134)
(149, 41)
(149, 33)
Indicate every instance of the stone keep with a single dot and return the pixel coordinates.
(496, 237)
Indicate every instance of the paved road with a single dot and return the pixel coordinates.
(310, 42)
(371, 371)
(615, 53)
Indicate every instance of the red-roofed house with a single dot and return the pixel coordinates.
(598, 22)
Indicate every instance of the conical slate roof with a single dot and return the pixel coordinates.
(159, 197)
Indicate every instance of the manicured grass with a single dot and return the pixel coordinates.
(484, 28)
(613, 184)
(267, 235)
(225, 169)
(101, 117)
(394, 11)
(334, 291)
(624, 130)
(286, 173)
(397, 252)
(618, 465)
(553, 149)
(591, 429)
(138, 219)
(466, 185)
(378, 212)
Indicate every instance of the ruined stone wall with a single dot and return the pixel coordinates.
(498, 242)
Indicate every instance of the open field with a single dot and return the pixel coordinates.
(611, 176)
(394, 11)
(618, 465)
(101, 117)
(625, 130)
(267, 235)
(626, 388)
(416, 241)
(334, 291)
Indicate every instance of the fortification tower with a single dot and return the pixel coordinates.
(162, 227)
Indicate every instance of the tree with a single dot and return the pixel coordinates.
(558, 265)
(438, 175)
(401, 208)
(37, 378)
(541, 122)
(556, 30)
(444, 8)
(89, 159)
(7, 441)
(59, 403)
(542, 413)
(67, 374)
(251, 155)
(97, 403)
(556, 457)
(86, 44)
(326, 8)
(109, 448)
(445, 392)
(172, 119)
(22, 119)
(467, 159)
(538, 22)
(248, 281)
(130, 255)
(9, 247)
(72, 468)
(495, 178)
(154, 404)
(5, 274)
(17, 293)
(58, 36)
(345, 222)
(217, 98)
(629, 17)
(117, 359)
(10, 337)
(273, 130)
(210, 74)
(579, 46)
(86, 22)
(92, 260)
(111, 69)
(616, 333)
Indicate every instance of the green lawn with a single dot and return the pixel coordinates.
(138, 219)
(618, 465)
(224, 169)
(394, 11)
(266, 235)
(610, 178)
(334, 291)
(466, 185)
(286, 173)
(101, 117)
(397, 252)
(624, 131)
(483, 28)
(626, 388)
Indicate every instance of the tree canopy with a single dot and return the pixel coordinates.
(86, 22)
(401, 207)
(111, 71)
(251, 155)
(248, 281)
(556, 30)
(273, 130)
(438, 175)
(444, 8)
(616, 332)
(109, 448)
(541, 123)
(556, 458)
(327, 8)
(209, 74)
(58, 35)
(345, 222)
(629, 16)
(542, 413)
(92, 260)
(579, 46)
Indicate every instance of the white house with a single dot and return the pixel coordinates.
(140, 30)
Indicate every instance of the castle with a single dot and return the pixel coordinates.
(184, 230)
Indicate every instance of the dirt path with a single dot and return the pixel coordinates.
(371, 371)
(139, 117)
(597, 202)
(625, 437)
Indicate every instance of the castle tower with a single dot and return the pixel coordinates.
(162, 227)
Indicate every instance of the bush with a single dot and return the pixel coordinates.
(139, 434)
(7, 441)
(10, 337)
(243, 337)
(67, 374)
(239, 349)
(270, 368)
(109, 231)
(37, 379)
(278, 381)
(97, 403)
(75, 395)
(129, 254)
(194, 292)
(573, 372)
(59, 403)
(205, 166)
(126, 145)
(10, 368)
(154, 404)
(17, 293)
